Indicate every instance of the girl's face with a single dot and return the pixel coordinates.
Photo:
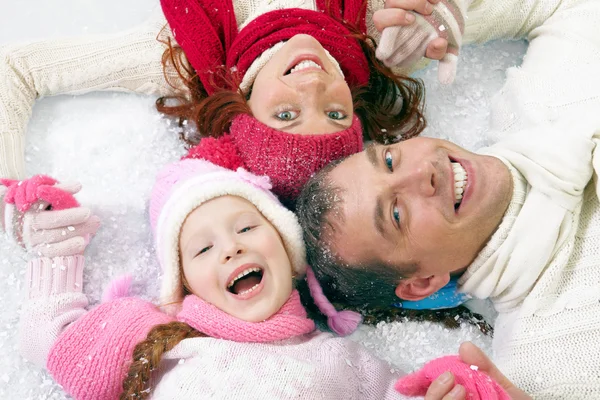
(301, 91)
(233, 258)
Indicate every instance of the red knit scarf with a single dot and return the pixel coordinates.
(208, 33)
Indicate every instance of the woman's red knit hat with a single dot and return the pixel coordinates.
(288, 159)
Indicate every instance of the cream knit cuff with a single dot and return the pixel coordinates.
(48, 276)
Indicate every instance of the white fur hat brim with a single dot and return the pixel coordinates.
(193, 190)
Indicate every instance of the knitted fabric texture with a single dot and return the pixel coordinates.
(288, 159)
(223, 45)
(121, 324)
(478, 385)
(291, 320)
(183, 186)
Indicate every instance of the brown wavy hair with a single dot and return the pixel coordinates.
(390, 107)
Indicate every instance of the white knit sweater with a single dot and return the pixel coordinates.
(131, 61)
(541, 268)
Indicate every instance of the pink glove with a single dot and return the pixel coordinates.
(404, 46)
(44, 217)
(478, 385)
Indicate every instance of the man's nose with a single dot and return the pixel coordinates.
(417, 178)
(230, 250)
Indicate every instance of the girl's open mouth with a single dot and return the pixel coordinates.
(246, 280)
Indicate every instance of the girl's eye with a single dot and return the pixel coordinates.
(396, 215)
(337, 115)
(246, 229)
(204, 250)
(389, 161)
(287, 115)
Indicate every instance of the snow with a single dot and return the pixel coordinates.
(115, 143)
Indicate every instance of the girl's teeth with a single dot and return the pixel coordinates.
(460, 181)
(305, 64)
(248, 290)
(241, 275)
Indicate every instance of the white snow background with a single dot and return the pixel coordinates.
(115, 143)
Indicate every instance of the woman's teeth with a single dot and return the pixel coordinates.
(303, 65)
(460, 181)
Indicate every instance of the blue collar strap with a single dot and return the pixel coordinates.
(446, 297)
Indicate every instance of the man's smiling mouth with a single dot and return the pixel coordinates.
(460, 182)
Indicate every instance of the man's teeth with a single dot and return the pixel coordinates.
(241, 275)
(303, 65)
(460, 181)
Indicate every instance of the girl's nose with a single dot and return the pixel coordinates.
(232, 250)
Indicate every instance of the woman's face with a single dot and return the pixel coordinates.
(300, 90)
(233, 258)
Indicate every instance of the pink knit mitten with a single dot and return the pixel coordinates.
(44, 217)
(404, 46)
(478, 385)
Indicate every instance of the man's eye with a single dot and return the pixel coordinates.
(246, 229)
(287, 115)
(389, 162)
(337, 115)
(396, 215)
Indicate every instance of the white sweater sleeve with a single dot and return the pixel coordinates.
(54, 302)
(129, 61)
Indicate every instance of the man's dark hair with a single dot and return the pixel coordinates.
(353, 286)
(368, 289)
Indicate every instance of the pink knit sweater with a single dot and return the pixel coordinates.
(91, 357)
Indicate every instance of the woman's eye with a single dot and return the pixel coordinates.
(246, 229)
(287, 115)
(396, 215)
(389, 162)
(337, 115)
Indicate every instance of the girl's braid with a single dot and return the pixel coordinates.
(147, 355)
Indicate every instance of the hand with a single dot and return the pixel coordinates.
(44, 217)
(445, 372)
(472, 355)
(412, 29)
(444, 388)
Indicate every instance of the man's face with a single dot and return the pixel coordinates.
(423, 202)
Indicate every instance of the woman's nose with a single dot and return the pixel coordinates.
(311, 84)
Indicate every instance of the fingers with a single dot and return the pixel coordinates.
(89, 227)
(447, 69)
(70, 187)
(443, 388)
(436, 49)
(392, 17)
(473, 355)
(60, 219)
(423, 7)
(73, 246)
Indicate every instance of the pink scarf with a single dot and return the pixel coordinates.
(208, 33)
(291, 320)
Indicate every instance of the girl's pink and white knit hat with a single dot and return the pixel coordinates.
(183, 186)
